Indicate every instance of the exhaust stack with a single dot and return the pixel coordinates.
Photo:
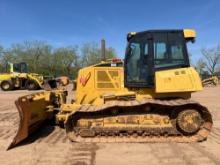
(103, 57)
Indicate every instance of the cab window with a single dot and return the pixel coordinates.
(133, 60)
(169, 50)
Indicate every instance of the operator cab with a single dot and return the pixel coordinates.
(15, 67)
(20, 67)
(150, 51)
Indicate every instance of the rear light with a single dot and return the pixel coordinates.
(115, 60)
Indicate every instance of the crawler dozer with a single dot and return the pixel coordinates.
(145, 98)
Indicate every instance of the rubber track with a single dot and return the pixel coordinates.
(177, 103)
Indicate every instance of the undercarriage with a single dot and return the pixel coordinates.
(146, 121)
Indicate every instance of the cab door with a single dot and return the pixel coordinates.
(138, 62)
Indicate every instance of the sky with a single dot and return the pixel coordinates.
(74, 22)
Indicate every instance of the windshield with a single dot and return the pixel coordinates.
(169, 50)
(24, 68)
(20, 67)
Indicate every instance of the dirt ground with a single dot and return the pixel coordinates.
(50, 145)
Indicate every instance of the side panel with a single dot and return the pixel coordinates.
(5, 76)
(85, 85)
(108, 78)
(177, 80)
(95, 82)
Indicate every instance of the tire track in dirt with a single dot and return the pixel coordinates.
(50, 154)
(59, 154)
(51, 135)
(7, 133)
(5, 106)
(59, 138)
(206, 153)
(190, 154)
(75, 153)
(9, 119)
(194, 154)
(8, 116)
(215, 135)
(82, 153)
(164, 153)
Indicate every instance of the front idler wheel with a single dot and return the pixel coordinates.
(189, 121)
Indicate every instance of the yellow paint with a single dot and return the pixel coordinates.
(5, 76)
(178, 80)
(11, 68)
(213, 80)
(107, 83)
(189, 33)
(132, 33)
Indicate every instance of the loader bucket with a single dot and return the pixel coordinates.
(56, 83)
(33, 110)
(50, 84)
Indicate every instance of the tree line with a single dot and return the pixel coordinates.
(45, 59)
(209, 63)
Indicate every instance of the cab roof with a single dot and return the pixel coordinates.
(189, 34)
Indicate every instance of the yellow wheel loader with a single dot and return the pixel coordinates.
(16, 76)
(145, 98)
(211, 81)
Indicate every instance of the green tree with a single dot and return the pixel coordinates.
(91, 54)
(43, 58)
(65, 60)
(1, 58)
(31, 52)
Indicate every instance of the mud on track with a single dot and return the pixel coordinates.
(50, 145)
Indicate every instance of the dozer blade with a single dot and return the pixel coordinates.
(33, 110)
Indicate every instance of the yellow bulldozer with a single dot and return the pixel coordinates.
(16, 76)
(143, 98)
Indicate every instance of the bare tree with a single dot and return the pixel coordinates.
(200, 66)
(212, 58)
